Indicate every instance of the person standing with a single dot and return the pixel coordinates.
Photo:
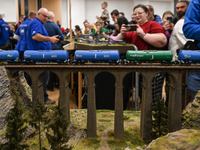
(21, 19)
(4, 34)
(149, 35)
(152, 16)
(38, 39)
(191, 30)
(21, 34)
(114, 14)
(52, 30)
(181, 7)
(177, 38)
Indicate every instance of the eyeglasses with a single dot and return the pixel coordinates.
(44, 16)
(139, 13)
(98, 25)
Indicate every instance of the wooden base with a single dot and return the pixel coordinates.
(69, 46)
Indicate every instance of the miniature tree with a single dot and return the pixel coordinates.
(16, 126)
(159, 122)
(58, 125)
(38, 118)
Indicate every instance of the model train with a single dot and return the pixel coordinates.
(97, 56)
(45, 55)
(149, 56)
(10, 55)
(132, 57)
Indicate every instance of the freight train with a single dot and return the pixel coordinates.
(110, 56)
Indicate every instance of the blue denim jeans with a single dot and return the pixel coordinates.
(193, 84)
(45, 80)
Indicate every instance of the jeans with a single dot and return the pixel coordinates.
(193, 84)
(44, 80)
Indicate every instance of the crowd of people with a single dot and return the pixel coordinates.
(39, 32)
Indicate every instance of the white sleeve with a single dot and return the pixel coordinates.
(16, 37)
(180, 36)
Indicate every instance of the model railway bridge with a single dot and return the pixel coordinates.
(119, 72)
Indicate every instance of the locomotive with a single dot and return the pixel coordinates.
(132, 57)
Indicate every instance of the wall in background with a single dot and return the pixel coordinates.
(55, 7)
(32, 5)
(89, 9)
(82, 9)
(8, 8)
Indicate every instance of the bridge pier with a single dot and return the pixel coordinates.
(174, 107)
(119, 119)
(64, 94)
(146, 109)
(91, 107)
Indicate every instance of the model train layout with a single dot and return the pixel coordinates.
(102, 56)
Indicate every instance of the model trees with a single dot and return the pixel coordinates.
(159, 122)
(16, 126)
(57, 129)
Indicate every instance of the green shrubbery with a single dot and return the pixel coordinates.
(41, 118)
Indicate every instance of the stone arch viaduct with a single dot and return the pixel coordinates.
(119, 72)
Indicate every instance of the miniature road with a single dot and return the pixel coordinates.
(104, 135)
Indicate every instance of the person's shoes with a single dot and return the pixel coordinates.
(48, 101)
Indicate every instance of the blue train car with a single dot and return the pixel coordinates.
(45, 55)
(97, 55)
(9, 55)
(189, 56)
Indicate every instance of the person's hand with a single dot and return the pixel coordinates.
(105, 24)
(171, 26)
(123, 29)
(54, 39)
(105, 35)
(168, 26)
(139, 31)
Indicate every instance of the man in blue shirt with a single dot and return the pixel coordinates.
(21, 35)
(191, 30)
(53, 29)
(38, 39)
(4, 34)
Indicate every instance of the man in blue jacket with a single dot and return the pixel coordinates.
(21, 35)
(38, 39)
(4, 34)
(191, 30)
(152, 16)
(52, 30)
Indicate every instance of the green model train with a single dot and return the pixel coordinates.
(149, 56)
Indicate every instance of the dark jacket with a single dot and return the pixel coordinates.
(53, 29)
